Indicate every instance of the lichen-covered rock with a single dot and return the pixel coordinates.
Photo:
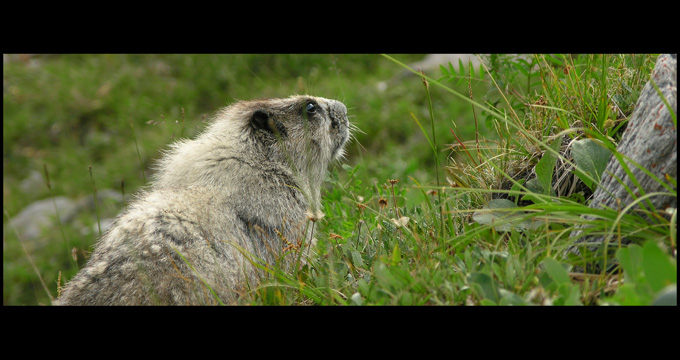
(650, 141)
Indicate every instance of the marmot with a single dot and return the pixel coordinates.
(246, 183)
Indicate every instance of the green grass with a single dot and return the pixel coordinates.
(403, 220)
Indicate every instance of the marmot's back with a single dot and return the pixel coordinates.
(251, 178)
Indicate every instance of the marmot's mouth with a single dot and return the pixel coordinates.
(338, 151)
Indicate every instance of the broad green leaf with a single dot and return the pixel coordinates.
(623, 256)
(534, 185)
(556, 271)
(630, 259)
(510, 298)
(487, 216)
(485, 286)
(627, 295)
(570, 295)
(471, 260)
(650, 276)
(501, 204)
(659, 270)
(591, 156)
(545, 166)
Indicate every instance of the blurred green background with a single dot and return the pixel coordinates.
(84, 118)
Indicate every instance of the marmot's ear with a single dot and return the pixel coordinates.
(259, 120)
(262, 120)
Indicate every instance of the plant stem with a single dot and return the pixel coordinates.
(56, 210)
(96, 202)
(137, 146)
(436, 156)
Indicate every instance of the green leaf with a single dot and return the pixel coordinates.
(383, 275)
(444, 70)
(533, 185)
(627, 295)
(484, 286)
(659, 270)
(510, 298)
(650, 276)
(487, 302)
(554, 60)
(623, 255)
(469, 262)
(569, 295)
(501, 204)
(403, 279)
(520, 68)
(406, 299)
(356, 259)
(487, 216)
(396, 255)
(592, 157)
(545, 167)
(461, 71)
(556, 271)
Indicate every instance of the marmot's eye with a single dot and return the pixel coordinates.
(311, 108)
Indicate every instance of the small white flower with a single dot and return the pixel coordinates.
(401, 222)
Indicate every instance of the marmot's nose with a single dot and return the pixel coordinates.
(338, 113)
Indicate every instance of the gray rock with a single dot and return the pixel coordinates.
(41, 215)
(651, 141)
(33, 181)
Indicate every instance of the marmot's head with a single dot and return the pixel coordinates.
(307, 132)
(307, 126)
